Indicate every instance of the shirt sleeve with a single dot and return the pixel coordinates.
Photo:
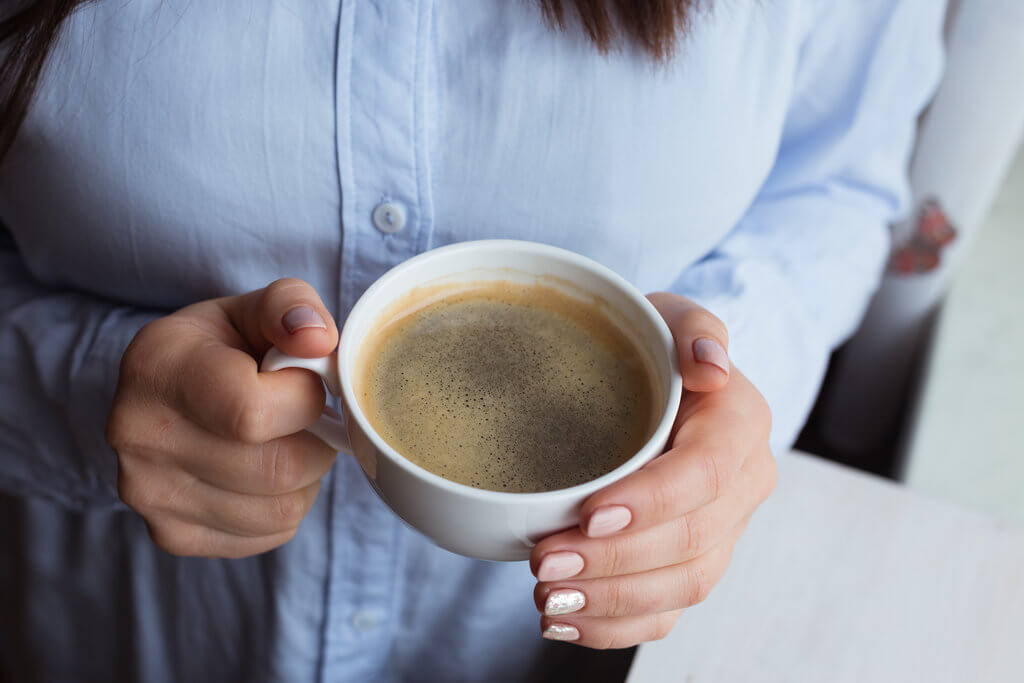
(60, 353)
(793, 278)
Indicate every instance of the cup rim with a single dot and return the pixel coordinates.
(650, 449)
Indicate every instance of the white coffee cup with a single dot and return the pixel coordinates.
(490, 525)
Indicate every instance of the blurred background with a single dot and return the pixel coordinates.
(927, 392)
(945, 413)
(965, 439)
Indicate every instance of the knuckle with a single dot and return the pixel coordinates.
(151, 493)
(714, 479)
(126, 490)
(663, 625)
(177, 495)
(278, 541)
(248, 423)
(284, 467)
(133, 360)
(625, 598)
(698, 586)
(663, 497)
(134, 491)
(693, 534)
(176, 539)
(288, 510)
(614, 559)
(117, 429)
(609, 641)
(617, 598)
(145, 353)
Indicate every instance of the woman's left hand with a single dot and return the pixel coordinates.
(657, 541)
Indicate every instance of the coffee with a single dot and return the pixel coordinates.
(505, 386)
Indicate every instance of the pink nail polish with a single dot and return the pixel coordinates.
(302, 317)
(607, 520)
(561, 632)
(711, 352)
(559, 566)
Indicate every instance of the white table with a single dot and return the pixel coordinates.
(846, 578)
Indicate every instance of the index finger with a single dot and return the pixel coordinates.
(707, 453)
(221, 389)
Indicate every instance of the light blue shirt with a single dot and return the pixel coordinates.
(178, 151)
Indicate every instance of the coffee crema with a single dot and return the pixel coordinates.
(505, 386)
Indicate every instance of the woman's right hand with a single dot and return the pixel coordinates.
(212, 454)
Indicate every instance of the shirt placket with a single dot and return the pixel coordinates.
(386, 219)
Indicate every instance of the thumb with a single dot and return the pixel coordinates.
(702, 341)
(288, 314)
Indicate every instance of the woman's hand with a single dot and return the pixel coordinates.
(211, 453)
(656, 542)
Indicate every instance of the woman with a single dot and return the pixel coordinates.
(177, 157)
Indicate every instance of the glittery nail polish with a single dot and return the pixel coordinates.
(561, 632)
(564, 601)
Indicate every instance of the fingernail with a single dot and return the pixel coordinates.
(711, 352)
(564, 601)
(561, 632)
(300, 318)
(560, 565)
(607, 520)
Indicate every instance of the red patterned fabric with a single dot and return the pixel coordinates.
(922, 251)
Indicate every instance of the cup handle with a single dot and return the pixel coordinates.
(328, 428)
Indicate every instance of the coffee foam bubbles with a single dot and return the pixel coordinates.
(508, 387)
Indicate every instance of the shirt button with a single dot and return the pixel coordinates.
(389, 217)
(364, 620)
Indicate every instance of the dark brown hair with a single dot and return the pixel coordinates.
(652, 25)
(28, 35)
